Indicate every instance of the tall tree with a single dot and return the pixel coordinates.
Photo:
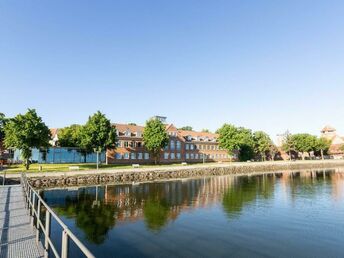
(262, 143)
(322, 145)
(2, 131)
(205, 130)
(26, 132)
(98, 134)
(237, 139)
(70, 136)
(186, 128)
(288, 144)
(155, 138)
(304, 143)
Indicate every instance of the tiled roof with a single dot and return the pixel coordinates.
(328, 128)
(196, 135)
(132, 128)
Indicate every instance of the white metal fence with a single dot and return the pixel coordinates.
(36, 206)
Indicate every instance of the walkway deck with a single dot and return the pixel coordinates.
(16, 234)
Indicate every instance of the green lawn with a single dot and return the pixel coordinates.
(65, 167)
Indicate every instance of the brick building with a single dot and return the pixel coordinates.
(184, 146)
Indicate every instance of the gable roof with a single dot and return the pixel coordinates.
(125, 127)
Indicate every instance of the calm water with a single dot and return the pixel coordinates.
(271, 215)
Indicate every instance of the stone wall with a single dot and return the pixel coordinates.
(145, 175)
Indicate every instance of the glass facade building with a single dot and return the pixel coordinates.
(61, 155)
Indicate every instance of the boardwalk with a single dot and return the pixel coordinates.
(16, 234)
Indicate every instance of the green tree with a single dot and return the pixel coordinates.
(304, 143)
(322, 145)
(2, 130)
(70, 136)
(186, 128)
(155, 138)
(262, 143)
(288, 144)
(237, 139)
(205, 130)
(98, 134)
(26, 132)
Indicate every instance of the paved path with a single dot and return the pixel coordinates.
(16, 234)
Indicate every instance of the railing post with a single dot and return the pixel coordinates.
(38, 219)
(64, 252)
(47, 234)
(28, 203)
(33, 209)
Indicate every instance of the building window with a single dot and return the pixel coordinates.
(178, 155)
(178, 145)
(118, 156)
(165, 155)
(192, 156)
(187, 156)
(126, 155)
(119, 144)
(127, 133)
(196, 156)
(201, 156)
(126, 144)
(172, 155)
(146, 155)
(133, 155)
(187, 146)
(191, 146)
(172, 146)
(139, 144)
(139, 155)
(138, 134)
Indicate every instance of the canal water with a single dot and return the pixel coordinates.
(289, 214)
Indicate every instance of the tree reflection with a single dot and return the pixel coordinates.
(245, 192)
(156, 213)
(94, 218)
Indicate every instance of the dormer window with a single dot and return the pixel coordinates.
(127, 133)
(138, 134)
(189, 138)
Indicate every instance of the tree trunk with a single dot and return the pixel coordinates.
(27, 164)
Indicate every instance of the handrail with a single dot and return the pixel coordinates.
(31, 198)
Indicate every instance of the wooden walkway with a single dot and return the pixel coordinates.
(16, 233)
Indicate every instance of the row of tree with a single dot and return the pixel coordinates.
(245, 143)
(305, 143)
(27, 131)
(258, 145)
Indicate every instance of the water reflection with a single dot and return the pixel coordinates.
(97, 210)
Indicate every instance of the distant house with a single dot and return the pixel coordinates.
(330, 133)
(54, 136)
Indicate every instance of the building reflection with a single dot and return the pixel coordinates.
(98, 209)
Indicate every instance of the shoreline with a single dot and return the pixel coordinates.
(137, 175)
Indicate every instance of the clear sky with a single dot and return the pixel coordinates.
(267, 65)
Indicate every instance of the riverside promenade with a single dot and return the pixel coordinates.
(18, 237)
(105, 176)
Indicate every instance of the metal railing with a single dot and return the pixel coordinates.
(35, 204)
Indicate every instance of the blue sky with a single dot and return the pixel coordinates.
(267, 65)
